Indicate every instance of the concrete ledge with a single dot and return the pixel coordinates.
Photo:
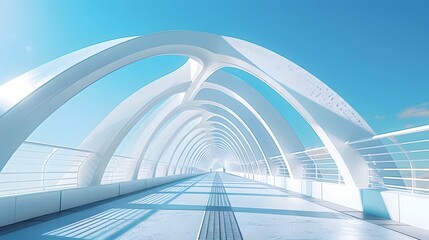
(134, 186)
(74, 197)
(280, 182)
(342, 195)
(293, 185)
(36, 204)
(414, 210)
(19, 208)
(7, 210)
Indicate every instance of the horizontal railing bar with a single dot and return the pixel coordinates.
(410, 188)
(408, 179)
(323, 169)
(394, 144)
(398, 160)
(57, 146)
(38, 187)
(329, 174)
(318, 164)
(11, 173)
(46, 157)
(393, 134)
(34, 151)
(318, 161)
(314, 155)
(403, 169)
(41, 165)
(391, 153)
(37, 180)
(327, 180)
(49, 153)
(128, 157)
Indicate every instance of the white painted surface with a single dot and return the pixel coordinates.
(391, 201)
(102, 192)
(151, 182)
(271, 180)
(7, 210)
(342, 195)
(414, 210)
(280, 182)
(79, 196)
(36, 204)
(293, 185)
(74, 197)
(316, 189)
(128, 187)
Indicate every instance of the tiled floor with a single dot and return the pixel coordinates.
(204, 207)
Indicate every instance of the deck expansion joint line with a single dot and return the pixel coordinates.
(219, 220)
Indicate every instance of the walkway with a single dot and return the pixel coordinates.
(210, 206)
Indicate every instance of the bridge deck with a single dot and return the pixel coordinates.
(210, 206)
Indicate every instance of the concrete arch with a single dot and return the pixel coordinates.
(51, 85)
(234, 116)
(281, 133)
(238, 150)
(191, 105)
(243, 143)
(221, 144)
(166, 138)
(197, 131)
(203, 140)
(234, 143)
(224, 121)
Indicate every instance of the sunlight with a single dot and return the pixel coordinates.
(14, 91)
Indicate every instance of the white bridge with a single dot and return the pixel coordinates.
(198, 117)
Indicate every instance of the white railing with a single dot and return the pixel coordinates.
(319, 165)
(119, 169)
(146, 169)
(258, 167)
(262, 164)
(398, 160)
(38, 167)
(280, 164)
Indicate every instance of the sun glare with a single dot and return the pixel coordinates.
(14, 91)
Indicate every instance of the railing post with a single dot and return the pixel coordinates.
(44, 166)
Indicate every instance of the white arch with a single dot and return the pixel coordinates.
(193, 105)
(281, 133)
(165, 138)
(243, 143)
(51, 85)
(222, 144)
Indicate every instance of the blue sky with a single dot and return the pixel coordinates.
(373, 53)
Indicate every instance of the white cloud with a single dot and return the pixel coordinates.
(379, 117)
(421, 110)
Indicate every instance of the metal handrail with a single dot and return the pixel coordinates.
(418, 154)
(393, 163)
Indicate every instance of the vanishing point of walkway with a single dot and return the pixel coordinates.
(209, 206)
